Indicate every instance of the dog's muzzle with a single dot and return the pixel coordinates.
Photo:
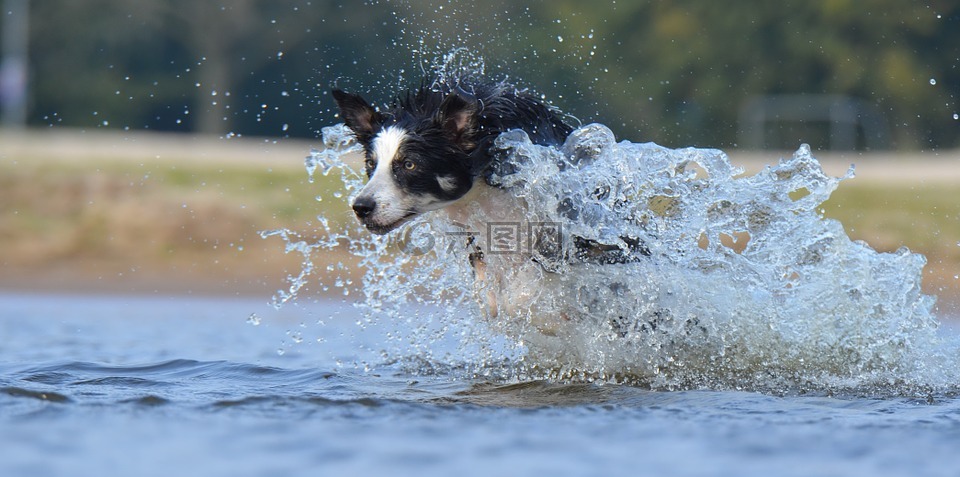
(364, 207)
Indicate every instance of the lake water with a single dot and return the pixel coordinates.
(121, 385)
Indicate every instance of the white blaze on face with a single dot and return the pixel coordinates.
(386, 145)
(447, 183)
(392, 204)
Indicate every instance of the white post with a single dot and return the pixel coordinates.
(13, 63)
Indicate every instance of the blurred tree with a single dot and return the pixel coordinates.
(105, 63)
(13, 63)
(673, 72)
(230, 40)
(689, 65)
(169, 65)
(214, 31)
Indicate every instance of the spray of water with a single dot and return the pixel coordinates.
(717, 279)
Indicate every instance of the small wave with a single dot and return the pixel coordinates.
(147, 401)
(271, 401)
(175, 382)
(536, 394)
(49, 396)
(120, 381)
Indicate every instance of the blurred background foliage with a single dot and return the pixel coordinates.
(675, 72)
(92, 195)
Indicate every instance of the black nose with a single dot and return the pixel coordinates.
(364, 206)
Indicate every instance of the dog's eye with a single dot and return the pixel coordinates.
(409, 165)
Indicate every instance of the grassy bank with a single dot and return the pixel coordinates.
(176, 215)
(166, 214)
(923, 218)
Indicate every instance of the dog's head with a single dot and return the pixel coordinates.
(416, 160)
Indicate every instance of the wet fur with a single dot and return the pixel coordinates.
(441, 135)
(434, 144)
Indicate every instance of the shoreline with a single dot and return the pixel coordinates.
(946, 309)
(144, 147)
(887, 167)
(147, 147)
(112, 281)
(173, 233)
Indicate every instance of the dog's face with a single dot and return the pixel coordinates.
(415, 164)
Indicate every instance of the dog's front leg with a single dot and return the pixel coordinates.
(480, 276)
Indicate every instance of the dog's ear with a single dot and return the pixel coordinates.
(458, 118)
(358, 115)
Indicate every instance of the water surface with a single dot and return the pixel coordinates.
(120, 385)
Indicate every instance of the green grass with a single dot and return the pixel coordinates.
(61, 210)
(923, 218)
(46, 197)
(155, 214)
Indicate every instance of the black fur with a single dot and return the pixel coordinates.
(452, 126)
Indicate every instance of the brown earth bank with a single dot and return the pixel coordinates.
(136, 212)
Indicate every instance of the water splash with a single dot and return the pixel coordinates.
(722, 280)
(746, 284)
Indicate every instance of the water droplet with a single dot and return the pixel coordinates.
(956, 116)
(253, 319)
(933, 81)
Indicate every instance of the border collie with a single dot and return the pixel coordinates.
(434, 144)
